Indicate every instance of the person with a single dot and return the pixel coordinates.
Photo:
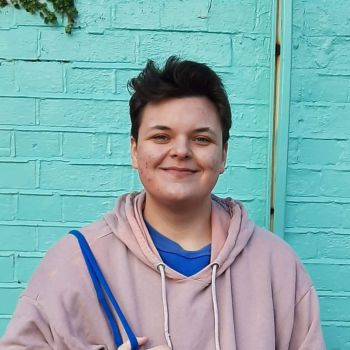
(172, 266)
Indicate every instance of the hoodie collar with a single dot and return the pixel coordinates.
(231, 231)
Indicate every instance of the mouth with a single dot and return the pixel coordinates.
(179, 171)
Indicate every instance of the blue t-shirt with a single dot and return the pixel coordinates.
(183, 261)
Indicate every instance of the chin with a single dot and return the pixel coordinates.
(182, 198)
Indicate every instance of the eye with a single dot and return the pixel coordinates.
(160, 138)
(202, 140)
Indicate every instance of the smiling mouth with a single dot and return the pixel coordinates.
(175, 170)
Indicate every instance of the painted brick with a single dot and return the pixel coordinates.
(49, 235)
(214, 49)
(263, 20)
(8, 206)
(335, 246)
(120, 148)
(94, 18)
(118, 46)
(315, 214)
(19, 43)
(332, 120)
(322, 244)
(346, 220)
(17, 175)
(293, 150)
(249, 50)
(87, 177)
(253, 179)
(298, 23)
(6, 19)
(226, 17)
(85, 113)
(259, 154)
(7, 268)
(324, 18)
(137, 14)
(335, 308)
(34, 77)
(7, 75)
(255, 87)
(306, 245)
(123, 76)
(247, 151)
(327, 52)
(14, 237)
(25, 266)
(86, 209)
(9, 298)
(296, 88)
(310, 151)
(5, 143)
(84, 145)
(37, 144)
(345, 156)
(312, 86)
(185, 15)
(35, 207)
(303, 182)
(17, 111)
(337, 336)
(90, 81)
(330, 277)
(250, 117)
(335, 183)
(323, 151)
(256, 209)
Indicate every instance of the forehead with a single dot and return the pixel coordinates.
(185, 111)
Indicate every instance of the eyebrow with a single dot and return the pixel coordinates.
(163, 127)
(160, 127)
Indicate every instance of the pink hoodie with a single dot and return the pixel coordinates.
(254, 295)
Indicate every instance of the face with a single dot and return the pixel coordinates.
(179, 153)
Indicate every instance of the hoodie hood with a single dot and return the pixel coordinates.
(231, 231)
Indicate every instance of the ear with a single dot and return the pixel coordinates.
(224, 157)
(133, 151)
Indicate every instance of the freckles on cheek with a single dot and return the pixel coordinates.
(144, 176)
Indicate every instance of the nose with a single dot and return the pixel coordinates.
(181, 148)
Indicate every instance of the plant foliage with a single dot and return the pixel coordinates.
(60, 8)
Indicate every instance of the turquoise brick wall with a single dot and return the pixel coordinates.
(318, 182)
(64, 125)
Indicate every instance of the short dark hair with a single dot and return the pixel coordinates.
(178, 78)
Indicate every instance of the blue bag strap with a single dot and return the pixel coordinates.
(102, 288)
(99, 291)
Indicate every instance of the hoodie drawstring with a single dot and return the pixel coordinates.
(215, 306)
(161, 268)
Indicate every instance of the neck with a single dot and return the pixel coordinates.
(188, 226)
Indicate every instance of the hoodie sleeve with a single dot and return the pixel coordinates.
(28, 328)
(307, 333)
(296, 307)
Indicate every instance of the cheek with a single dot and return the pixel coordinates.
(211, 162)
(145, 171)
